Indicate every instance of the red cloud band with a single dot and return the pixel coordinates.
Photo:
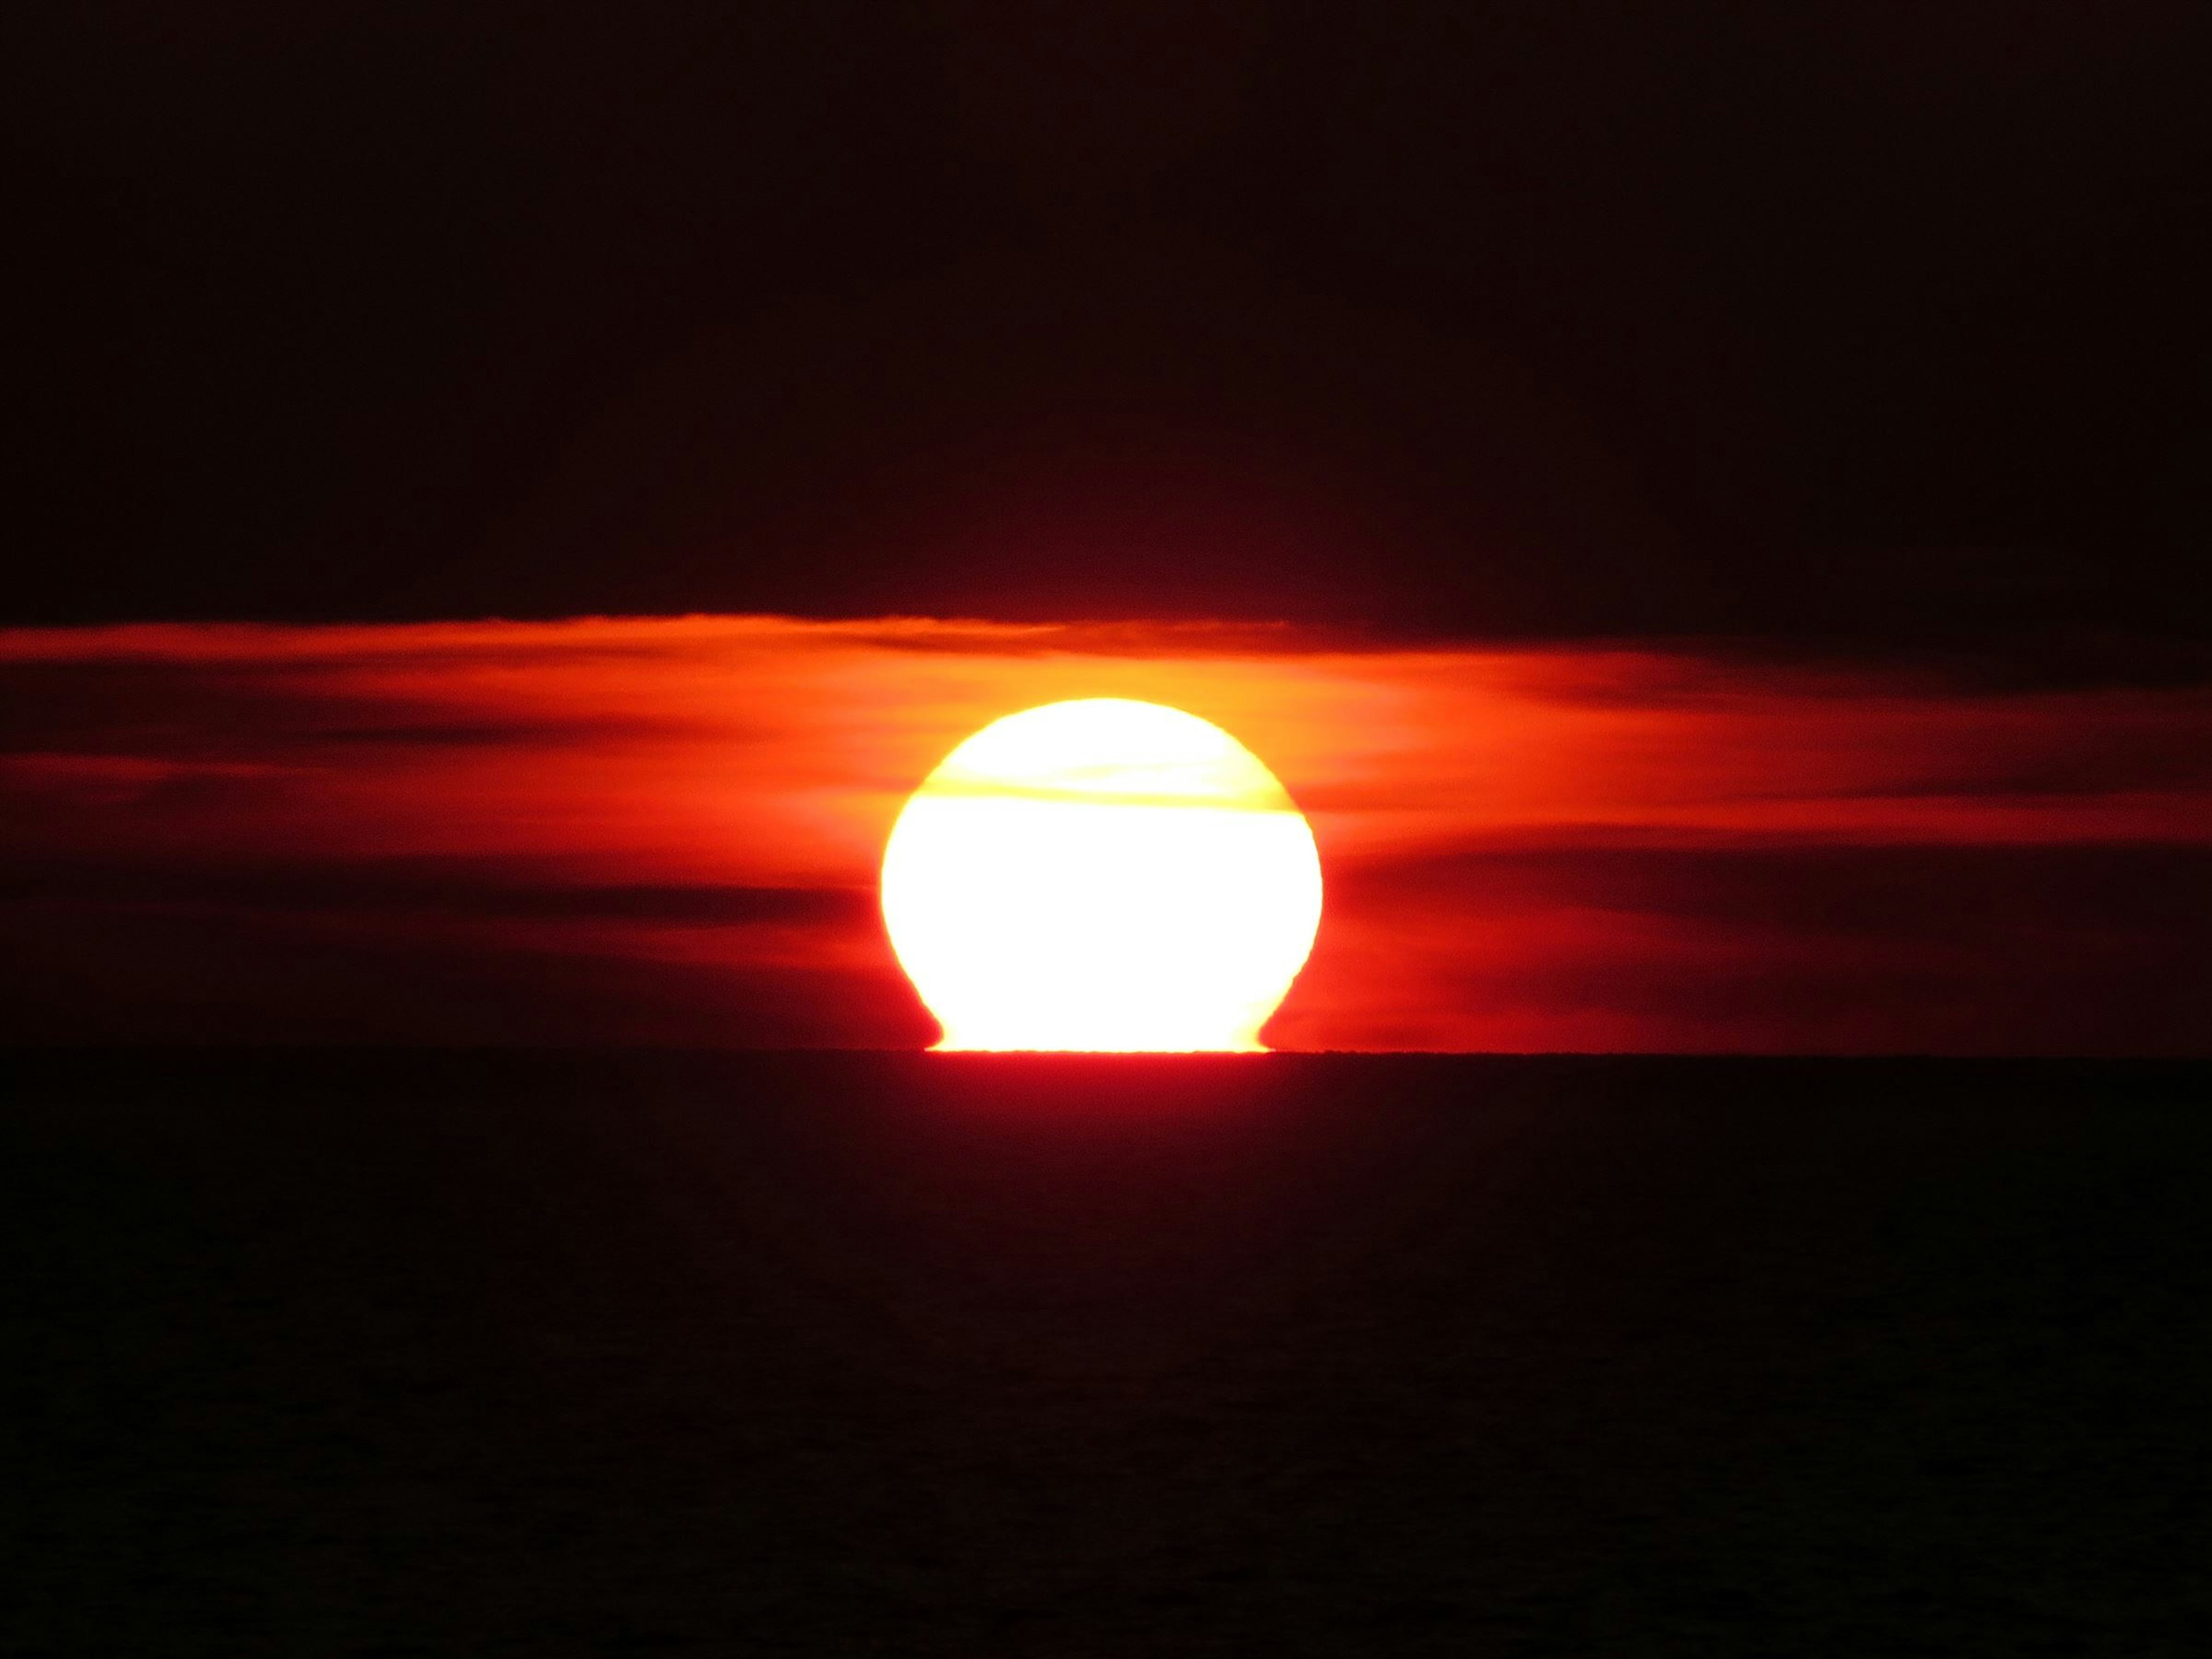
(667, 830)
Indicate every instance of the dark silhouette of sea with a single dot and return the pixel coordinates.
(327, 1353)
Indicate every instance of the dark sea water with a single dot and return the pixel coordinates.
(348, 1353)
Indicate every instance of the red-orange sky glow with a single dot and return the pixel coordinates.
(669, 830)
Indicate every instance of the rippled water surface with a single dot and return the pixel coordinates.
(335, 1353)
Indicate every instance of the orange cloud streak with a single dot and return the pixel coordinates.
(1525, 848)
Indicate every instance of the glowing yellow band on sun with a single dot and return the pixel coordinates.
(1103, 875)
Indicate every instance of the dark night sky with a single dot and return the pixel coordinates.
(1883, 323)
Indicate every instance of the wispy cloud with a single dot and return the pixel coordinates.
(671, 826)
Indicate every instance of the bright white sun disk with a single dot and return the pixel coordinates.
(1103, 875)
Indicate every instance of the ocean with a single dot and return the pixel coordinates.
(325, 1352)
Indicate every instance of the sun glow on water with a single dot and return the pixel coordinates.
(1103, 875)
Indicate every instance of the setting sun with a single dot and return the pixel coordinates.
(1103, 875)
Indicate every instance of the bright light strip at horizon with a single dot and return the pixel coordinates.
(1101, 875)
